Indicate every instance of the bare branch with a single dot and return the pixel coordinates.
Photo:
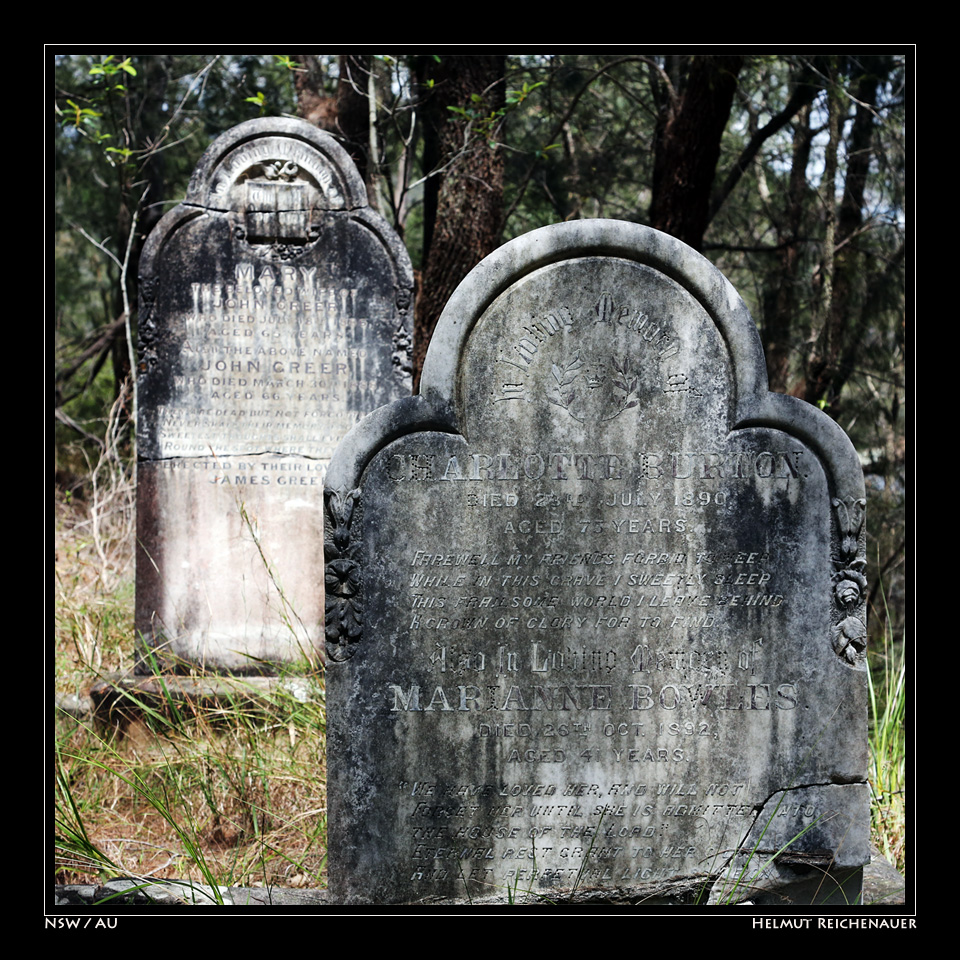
(559, 127)
(73, 425)
(100, 345)
(804, 93)
(99, 244)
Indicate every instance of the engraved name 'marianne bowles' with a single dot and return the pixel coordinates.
(646, 703)
(646, 706)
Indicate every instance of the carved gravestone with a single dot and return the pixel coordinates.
(595, 601)
(275, 312)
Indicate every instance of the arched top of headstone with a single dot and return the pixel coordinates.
(679, 280)
(276, 152)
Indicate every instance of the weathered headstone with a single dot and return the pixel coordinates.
(274, 314)
(596, 601)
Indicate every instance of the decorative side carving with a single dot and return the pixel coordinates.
(343, 580)
(850, 585)
(402, 350)
(850, 513)
(147, 325)
(402, 340)
(850, 639)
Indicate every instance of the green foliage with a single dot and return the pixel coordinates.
(258, 100)
(485, 120)
(107, 68)
(288, 63)
(90, 121)
(129, 132)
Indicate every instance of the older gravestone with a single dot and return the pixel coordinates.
(596, 601)
(275, 312)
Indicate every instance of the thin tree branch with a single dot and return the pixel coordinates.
(558, 128)
(804, 93)
(73, 425)
(99, 244)
(101, 344)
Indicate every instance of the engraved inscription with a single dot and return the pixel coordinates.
(620, 633)
(275, 361)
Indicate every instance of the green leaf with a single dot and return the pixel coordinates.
(82, 114)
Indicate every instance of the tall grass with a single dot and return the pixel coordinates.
(887, 773)
(225, 793)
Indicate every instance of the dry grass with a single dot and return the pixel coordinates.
(203, 797)
(224, 792)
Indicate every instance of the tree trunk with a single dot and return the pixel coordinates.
(694, 109)
(845, 316)
(784, 312)
(463, 202)
(345, 115)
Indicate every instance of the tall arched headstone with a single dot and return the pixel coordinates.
(596, 601)
(275, 311)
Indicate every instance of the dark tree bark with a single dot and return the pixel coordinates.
(782, 313)
(831, 359)
(142, 187)
(313, 103)
(463, 202)
(344, 115)
(695, 97)
(807, 83)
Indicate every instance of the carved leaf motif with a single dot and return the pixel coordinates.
(850, 513)
(626, 383)
(343, 577)
(569, 373)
